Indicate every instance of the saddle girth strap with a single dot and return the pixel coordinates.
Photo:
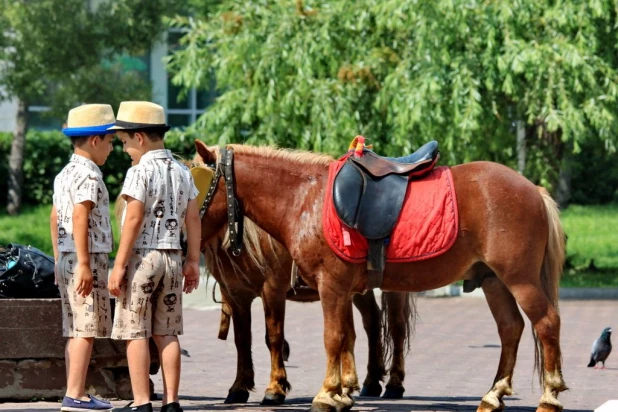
(376, 260)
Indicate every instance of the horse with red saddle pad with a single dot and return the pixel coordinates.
(509, 240)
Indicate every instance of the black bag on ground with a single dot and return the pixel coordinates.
(26, 273)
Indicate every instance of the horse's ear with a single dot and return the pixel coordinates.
(208, 156)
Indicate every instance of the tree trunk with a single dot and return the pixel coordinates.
(16, 159)
(521, 146)
(563, 190)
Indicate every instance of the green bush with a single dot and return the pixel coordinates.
(595, 176)
(48, 152)
(595, 179)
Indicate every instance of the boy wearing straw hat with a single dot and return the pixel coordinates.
(82, 238)
(148, 271)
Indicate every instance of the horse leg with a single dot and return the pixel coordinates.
(536, 298)
(546, 323)
(240, 304)
(335, 307)
(395, 303)
(510, 327)
(349, 377)
(274, 315)
(370, 312)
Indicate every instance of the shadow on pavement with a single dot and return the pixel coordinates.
(200, 398)
(38, 410)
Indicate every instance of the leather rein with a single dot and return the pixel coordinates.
(235, 218)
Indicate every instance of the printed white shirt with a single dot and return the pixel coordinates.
(165, 186)
(81, 180)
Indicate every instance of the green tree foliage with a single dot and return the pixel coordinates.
(51, 51)
(49, 152)
(313, 74)
(49, 41)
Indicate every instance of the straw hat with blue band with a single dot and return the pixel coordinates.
(89, 120)
(140, 116)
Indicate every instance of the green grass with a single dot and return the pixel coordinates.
(592, 246)
(31, 227)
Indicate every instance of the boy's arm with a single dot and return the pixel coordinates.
(83, 274)
(130, 231)
(191, 270)
(53, 227)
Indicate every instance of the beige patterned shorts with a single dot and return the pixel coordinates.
(90, 316)
(150, 300)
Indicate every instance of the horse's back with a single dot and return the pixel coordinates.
(503, 208)
(497, 186)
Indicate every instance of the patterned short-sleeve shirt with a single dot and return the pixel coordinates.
(165, 186)
(81, 180)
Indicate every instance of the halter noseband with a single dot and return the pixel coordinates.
(235, 217)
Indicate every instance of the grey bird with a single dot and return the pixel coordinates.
(601, 348)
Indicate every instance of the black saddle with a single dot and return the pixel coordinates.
(368, 194)
(416, 164)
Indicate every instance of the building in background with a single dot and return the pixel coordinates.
(180, 112)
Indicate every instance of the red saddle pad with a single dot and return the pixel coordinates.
(427, 226)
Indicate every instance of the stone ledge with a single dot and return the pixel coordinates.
(32, 355)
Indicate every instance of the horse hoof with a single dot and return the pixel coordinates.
(273, 399)
(286, 350)
(238, 396)
(488, 407)
(374, 389)
(547, 407)
(322, 407)
(348, 406)
(393, 392)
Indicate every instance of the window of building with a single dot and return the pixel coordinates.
(183, 109)
(39, 119)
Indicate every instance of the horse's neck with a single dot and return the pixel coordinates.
(274, 193)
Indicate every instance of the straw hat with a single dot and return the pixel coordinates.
(140, 115)
(89, 119)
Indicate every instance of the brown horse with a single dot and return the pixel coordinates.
(509, 230)
(264, 269)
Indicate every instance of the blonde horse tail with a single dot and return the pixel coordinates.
(551, 271)
(119, 208)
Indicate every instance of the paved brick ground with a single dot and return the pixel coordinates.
(454, 358)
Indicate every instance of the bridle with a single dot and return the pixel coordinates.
(235, 218)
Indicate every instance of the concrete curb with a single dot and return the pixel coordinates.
(565, 293)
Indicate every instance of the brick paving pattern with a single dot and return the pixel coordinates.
(451, 366)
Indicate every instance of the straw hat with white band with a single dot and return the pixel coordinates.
(89, 120)
(140, 116)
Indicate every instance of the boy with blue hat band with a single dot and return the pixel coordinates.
(147, 278)
(82, 238)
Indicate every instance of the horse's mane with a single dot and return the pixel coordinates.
(289, 155)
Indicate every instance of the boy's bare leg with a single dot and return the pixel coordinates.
(169, 354)
(67, 357)
(138, 355)
(79, 350)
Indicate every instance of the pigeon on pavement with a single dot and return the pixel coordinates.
(601, 348)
